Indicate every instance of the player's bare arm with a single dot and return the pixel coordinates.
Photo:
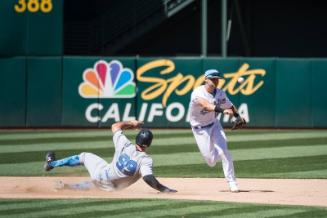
(154, 183)
(212, 107)
(132, 124)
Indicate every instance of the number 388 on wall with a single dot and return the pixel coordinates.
(33, 6)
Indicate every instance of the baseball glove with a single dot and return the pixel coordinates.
(239, 123)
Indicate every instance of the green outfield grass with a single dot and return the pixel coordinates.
(150, 208)
(256, 154)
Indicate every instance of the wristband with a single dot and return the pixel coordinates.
(218, 109)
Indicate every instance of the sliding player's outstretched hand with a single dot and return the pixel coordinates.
(169, 190)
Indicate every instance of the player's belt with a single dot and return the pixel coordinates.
(203, 127)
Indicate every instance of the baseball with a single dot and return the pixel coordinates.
(240, 80)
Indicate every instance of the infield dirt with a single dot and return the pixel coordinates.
(309, 192)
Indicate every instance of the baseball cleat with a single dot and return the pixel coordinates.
(233, 187)
(49, 157)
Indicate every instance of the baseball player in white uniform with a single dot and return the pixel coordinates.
(130, 162)
(207, 101)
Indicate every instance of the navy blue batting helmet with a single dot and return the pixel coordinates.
(144, 138)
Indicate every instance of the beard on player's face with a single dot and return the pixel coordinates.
(211, 84)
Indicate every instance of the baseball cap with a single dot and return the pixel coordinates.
(212, 73)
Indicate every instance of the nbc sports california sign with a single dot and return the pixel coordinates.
(164, 91)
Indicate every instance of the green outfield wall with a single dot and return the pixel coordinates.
(42, 88)
(64, 91)
(31, 27)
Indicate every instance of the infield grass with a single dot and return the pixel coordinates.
(256, 153)
(150, 208)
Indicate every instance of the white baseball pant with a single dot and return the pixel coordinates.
(213, 147)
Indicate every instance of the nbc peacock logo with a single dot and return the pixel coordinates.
(107, 80)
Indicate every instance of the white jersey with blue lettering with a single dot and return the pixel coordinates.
(198, 115)
(208, 132)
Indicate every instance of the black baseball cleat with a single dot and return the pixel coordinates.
(49, 157)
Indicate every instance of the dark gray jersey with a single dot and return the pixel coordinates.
(128, 164)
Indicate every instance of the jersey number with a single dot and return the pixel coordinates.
(126, 165)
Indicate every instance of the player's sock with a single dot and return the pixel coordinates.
(68, 161)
